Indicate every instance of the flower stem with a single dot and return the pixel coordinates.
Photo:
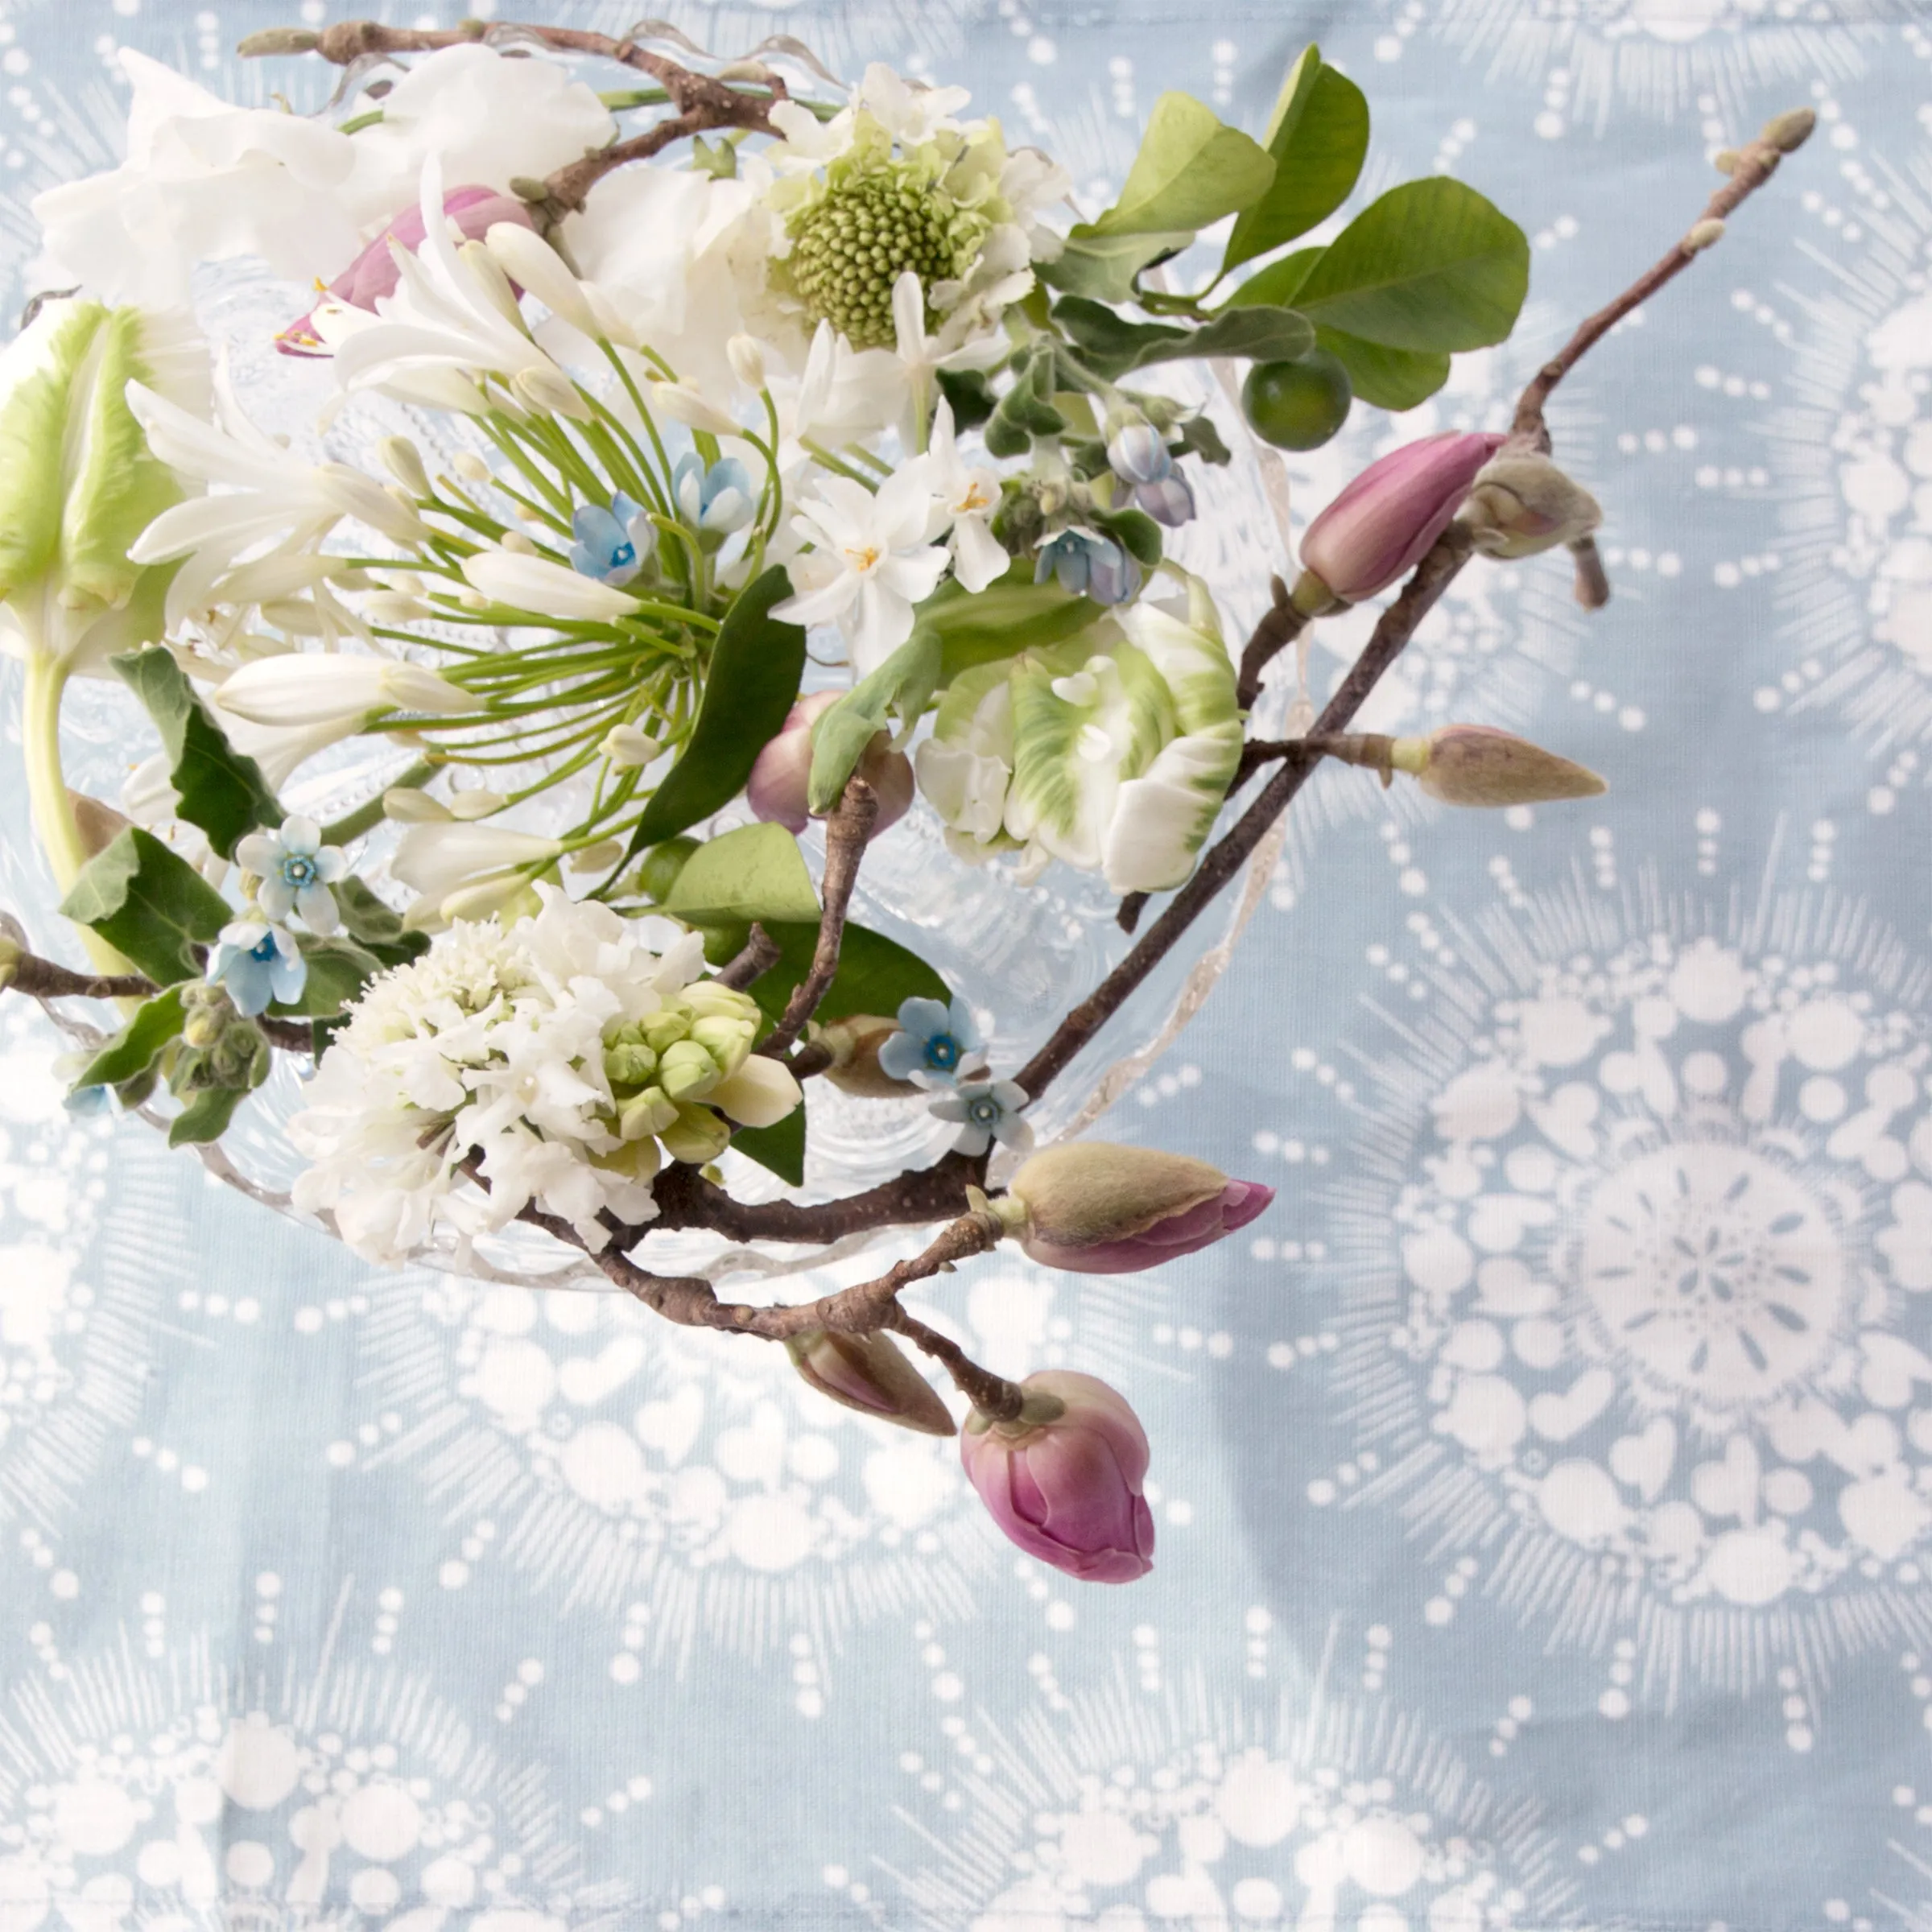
(54, 823)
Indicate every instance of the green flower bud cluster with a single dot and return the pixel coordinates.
(876, 215)
(661, 1067)
(219, 1048)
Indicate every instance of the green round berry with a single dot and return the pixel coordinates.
(1297, 405)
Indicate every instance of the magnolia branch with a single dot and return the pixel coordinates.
(702, 102)
(1282, 623)
(846, 832)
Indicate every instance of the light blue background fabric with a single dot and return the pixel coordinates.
(1544, 1492)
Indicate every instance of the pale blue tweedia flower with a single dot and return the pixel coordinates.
(296, 870)
(933, 1040)
(1086, 561)
(607, 542)
(718, 498)
(256, 963)
(987, 1111)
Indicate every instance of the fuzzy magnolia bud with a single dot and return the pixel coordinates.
(854, 1043)
(12, 954)
(1066, 1488)
(1478, 765)
(1703, 235)
(1092, 1207)
(1789, 132)
(869, 1373)
(1380, 526)
(278, 40)
(777, 788)
(1520, 505)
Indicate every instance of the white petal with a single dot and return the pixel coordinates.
(554, 590)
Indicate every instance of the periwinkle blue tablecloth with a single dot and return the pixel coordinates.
(1544, 1490)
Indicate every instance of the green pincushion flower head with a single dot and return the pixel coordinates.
(877, 211)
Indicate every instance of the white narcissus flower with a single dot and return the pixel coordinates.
(871, 565)
(963, 342)
(545, 588)
(967, 494)
(311, 690)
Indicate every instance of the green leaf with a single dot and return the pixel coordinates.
(1135, 531)
(338, 970)
(902, 684)
(1027, 410)
(1390, 378)
(755, 664)
(1430, 265)
(1105, 265)
(374, 927)
(780, 1148)
(1011, 614)
(1199, 435)
(1255, 333)
(206, 1115)
(1107, 341)
(754, 872)
(220, 791)
(875, 973)
(1192, 170)
(971, 395)
(1276, 285)
(1317, 137)
(150, 905)
(137, 1045)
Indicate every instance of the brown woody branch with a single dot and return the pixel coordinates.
(759, 956)
(1282, 623)
(846, 832)
(700, 101)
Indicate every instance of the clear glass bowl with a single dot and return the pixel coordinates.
(1022, 955)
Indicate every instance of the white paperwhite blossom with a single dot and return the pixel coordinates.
(525, 1047)
(967, 494)
(873, 562)
(964, 342)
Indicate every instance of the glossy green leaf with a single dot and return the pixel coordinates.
(220, 791)
(206, 1115)
(1105, 265)
(754, 872)
(1135, 531)
(1199, 436)
(1430, 265)
(875, 973)
(903, 683)
(1317, 137)
(338, 970)
(780, 1148)
(756, 664)
(1191, 169)
(137, 1045)
(374, 927)
(1012, 614)
(1390, 378)
(1276, 285)
(150, 905)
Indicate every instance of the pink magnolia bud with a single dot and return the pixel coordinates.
(776, 791)
(1381, 524)
(870, 1373)
(374, 273)
(1091, 1207)
(1066, 1487)
(1478, 765)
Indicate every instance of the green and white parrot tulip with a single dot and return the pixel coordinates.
(1112, 751)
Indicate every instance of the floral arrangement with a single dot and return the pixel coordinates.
(784, 464)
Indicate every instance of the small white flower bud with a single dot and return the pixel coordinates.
(624, 744)
(471, 467)
(747, 360)
(406, 806)
(404, 462)
(515, 540)
(599, 857)
(550, 392)
(467, 806)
